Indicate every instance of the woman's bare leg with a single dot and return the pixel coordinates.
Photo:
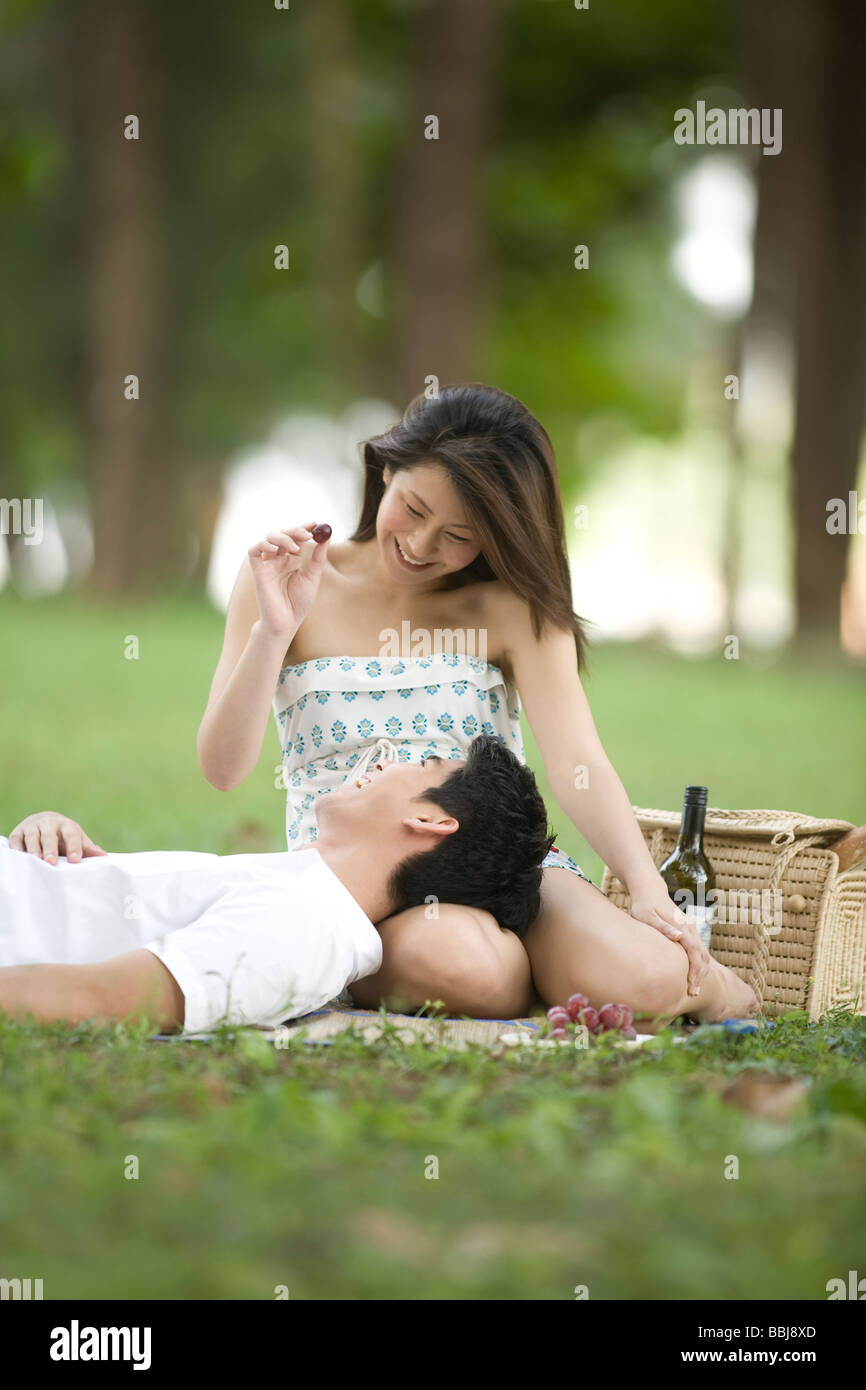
(462, 956)
(582, 942)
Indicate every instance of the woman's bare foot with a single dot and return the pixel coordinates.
(723, 995)
(729, 997)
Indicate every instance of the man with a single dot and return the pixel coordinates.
(190, 940)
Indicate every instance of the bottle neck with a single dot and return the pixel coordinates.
(692, 826)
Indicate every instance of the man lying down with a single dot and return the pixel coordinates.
(190, 940)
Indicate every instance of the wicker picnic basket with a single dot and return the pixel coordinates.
(791, 902)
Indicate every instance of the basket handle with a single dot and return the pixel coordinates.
(851, 848)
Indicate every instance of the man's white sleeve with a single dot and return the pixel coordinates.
(260, 956)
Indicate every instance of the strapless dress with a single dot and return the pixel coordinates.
(335, 714)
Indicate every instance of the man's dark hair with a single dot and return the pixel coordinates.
(494, 859)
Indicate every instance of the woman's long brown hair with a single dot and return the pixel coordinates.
(501, 463)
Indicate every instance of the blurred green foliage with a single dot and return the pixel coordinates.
(581, 153)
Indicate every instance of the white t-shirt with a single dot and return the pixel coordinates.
(249, 938)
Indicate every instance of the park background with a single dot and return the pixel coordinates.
(701, 504)
(706, 518)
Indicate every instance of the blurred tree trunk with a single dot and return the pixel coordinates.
(138, 514)
(814, 222)
(439, 197)
(732, 537)
(768, 63)
(336, 175)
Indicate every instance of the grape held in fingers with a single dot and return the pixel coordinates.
(321, 533)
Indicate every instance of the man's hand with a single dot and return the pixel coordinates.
(49, 834)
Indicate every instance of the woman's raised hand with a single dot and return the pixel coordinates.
(285, 588)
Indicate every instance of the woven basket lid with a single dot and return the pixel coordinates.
(765, 824)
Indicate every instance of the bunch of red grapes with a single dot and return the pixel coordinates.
(609, 1018)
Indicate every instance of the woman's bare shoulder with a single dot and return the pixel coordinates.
(505, 608)
(502, 614)
(341, 554)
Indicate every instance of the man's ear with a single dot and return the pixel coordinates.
(437, 824)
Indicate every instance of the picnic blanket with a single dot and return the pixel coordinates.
(324, 1024)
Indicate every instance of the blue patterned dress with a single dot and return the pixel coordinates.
(337, 713)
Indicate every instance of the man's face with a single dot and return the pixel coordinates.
(389, 792)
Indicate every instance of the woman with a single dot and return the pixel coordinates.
(461, 534)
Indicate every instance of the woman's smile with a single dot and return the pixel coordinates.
(408, 562)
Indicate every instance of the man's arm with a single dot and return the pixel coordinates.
(133, 985)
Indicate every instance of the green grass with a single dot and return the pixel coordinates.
(306, 1167)
(111, 740)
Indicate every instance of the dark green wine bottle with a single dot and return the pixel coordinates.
(688, 874)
